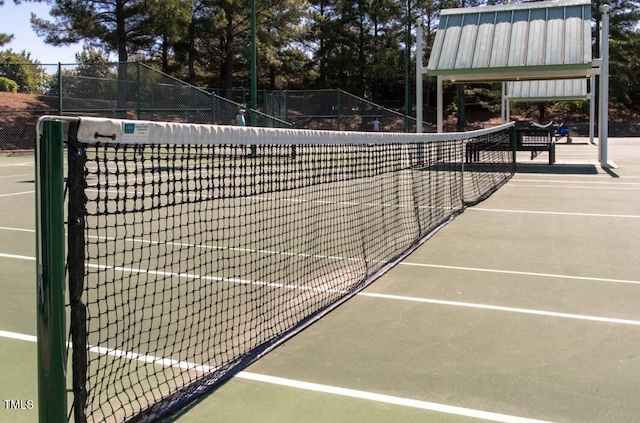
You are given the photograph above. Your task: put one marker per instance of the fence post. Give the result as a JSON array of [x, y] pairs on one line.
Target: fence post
[[214, 103], [59, 90], [339, 108], [286, 105], [138, 92]]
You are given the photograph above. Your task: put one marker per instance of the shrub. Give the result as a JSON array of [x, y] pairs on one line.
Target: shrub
[[8, 85]]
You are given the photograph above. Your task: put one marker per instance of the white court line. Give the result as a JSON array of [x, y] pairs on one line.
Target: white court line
[[17, 176], [13, 256], [18, 336], [384, 296], [258, 198], [314, 387], [218, 279], [624, 216], [368, 294], [407, 263], [402, 263], [574, 187], [387, 399], [500, 308], [212, 247], [17, 193], [18, 164], [519, 273], [556, 181], [4, 228]]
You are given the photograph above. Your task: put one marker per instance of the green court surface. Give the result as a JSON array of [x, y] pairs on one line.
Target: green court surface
[[522, 309]]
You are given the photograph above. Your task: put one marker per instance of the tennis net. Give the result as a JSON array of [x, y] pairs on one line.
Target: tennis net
[[193, 250]]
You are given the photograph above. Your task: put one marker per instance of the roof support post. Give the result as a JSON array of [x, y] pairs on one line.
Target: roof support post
[[419, 94], [592, 109], [505, 102], [440, 105], [604, 87]]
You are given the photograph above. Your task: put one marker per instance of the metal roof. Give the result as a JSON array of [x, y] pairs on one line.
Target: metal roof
[[535, 40], [551, 90]]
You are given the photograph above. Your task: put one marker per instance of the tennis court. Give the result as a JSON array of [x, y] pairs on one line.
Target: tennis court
[[524, 307]]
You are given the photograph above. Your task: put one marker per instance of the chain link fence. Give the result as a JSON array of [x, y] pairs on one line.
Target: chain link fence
[[133, 90], [128, 90], [337, 110], [332, 109], [25, 95]]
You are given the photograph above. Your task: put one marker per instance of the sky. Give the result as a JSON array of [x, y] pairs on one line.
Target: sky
[[16, 20]]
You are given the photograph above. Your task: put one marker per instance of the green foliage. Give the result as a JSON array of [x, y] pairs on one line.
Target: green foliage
[[625, 71], [5, 38], [91, 55], [570, 107], [124, 27], [355, 45], [358, 45], [29, 75], [484, 96], [8, 85]]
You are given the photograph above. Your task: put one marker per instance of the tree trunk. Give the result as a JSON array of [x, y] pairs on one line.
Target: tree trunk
[[228, 58], [123, 57], [542, 113], [462, 118]]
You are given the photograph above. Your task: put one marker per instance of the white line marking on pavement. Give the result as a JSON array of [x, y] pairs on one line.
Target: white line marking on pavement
[[315, 387], [501, 308], [626, 216], [514, 272], [13, 194]]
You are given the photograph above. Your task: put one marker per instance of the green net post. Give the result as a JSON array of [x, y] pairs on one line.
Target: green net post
[[51, 324]]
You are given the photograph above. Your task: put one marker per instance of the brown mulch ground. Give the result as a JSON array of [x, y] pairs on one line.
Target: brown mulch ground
[[18, 116], [22, 101]]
